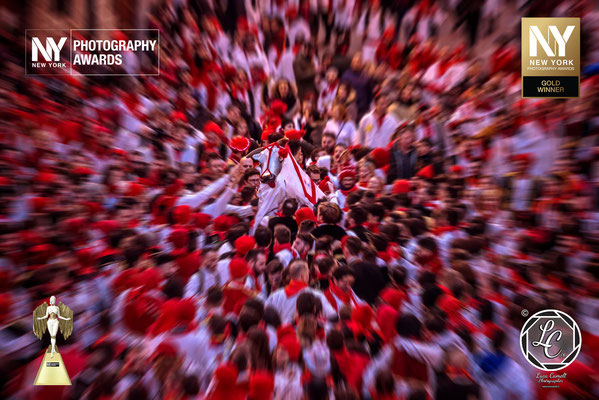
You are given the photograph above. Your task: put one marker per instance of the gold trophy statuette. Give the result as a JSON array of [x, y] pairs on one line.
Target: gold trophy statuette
[[52, 372]]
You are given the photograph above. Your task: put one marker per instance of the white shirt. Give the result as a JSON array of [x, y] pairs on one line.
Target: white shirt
[[344, 131], [373, 135], [286, 306]]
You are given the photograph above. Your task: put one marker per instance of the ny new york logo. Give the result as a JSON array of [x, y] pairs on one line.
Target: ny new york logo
[[560, 40], [50, 52]]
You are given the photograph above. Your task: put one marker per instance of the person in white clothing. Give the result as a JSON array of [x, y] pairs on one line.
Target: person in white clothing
[[341, 126], [284, 299], [378, 126]]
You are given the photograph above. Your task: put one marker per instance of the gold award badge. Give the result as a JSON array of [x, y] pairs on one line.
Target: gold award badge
[[550, 57], [52, 372]]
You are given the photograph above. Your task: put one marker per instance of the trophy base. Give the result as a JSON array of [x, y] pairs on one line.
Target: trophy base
[[52, 372]]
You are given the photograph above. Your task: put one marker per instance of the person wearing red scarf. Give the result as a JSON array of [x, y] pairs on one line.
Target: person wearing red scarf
[[235, 293], [282, 245], [284, 300], [340, 293], [347, 185], [427, 255]]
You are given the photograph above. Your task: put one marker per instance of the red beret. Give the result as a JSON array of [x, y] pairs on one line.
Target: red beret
[[222, 223], [229, 72], [239, 143], [294, 134], [380, 157], [213, 127], [140, 311], [182, 214], [285, 330], [274, 122], [401, 186], [226, 374], [427, 172], [266, 133], [362, 314], [186, 310], [393, 297], [108, 226], [46, 177], [278, 107], [134, 189], [178, 116], [324, 185], [179, 238], [244, 244], [238, 268], [347, 173], [83, 171], [39, 203], [165, 349], [174, 188], [456, 168], [304, 213], [524, 157], [202, 220], [262, 385], [149, 278], [292, 346], [75, 224]]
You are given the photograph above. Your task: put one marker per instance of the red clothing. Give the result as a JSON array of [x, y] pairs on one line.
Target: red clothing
[[235, 294]]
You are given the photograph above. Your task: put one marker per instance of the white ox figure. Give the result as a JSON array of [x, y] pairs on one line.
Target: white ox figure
[[282, 178]]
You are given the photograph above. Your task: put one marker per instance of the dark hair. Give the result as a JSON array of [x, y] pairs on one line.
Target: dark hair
[[248, 317], [429, 244], [173, 288], [191, 386], [335, 340], [250, 172], [253, 255], [307, 304], [358, 214], [498, 340], [307, 226], [272, 317], [294, 146], [325, 264], [247, 193], [453, 216], [282, 234], [377, 210], [352, 245], [263, 236], [214, 295], [255, 304], [305, 237], [289, 207], [353, 198], [237, 231], [408, 326], [342, 272], [487, 311]]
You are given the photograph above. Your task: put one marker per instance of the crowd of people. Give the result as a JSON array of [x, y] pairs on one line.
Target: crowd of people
[[450, 206]]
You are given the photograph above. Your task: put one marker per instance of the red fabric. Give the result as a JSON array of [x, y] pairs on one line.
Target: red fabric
[[348, 299], [235, 294], [351, 365], [407, 367], [294, 287]]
